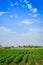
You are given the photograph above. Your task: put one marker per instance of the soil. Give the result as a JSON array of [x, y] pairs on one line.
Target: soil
[[16, 64], [26, 63], [42, 60], [35, 62]]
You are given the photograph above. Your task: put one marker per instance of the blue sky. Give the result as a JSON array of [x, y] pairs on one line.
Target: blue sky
[[21, 22]]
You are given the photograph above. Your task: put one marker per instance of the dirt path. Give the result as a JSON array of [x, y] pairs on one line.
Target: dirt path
[[26, 63], [42, 61], [35, 62]]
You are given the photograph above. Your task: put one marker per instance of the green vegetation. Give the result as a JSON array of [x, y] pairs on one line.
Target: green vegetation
[[21, 56]]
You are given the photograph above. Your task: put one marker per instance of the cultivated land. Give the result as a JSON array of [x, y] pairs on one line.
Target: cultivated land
[[21, 56]]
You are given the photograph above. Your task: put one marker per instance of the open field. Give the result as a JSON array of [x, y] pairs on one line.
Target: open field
[[21, 56]]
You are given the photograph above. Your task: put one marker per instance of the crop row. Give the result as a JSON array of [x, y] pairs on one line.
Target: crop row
[[20, 56]]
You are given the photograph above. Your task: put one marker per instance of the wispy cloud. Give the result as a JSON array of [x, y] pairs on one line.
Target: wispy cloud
[[14, 16], [29, 6], [34, 15], [23, 6], [36, 29], [2, 28], [2, 13], [29, 38], [33, 10], [11, 3], [26, 21], [26, 1], [16, 3]]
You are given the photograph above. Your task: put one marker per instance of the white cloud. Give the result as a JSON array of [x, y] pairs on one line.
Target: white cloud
[[36, 29], [2, 13], [35, 15], [14, 16], [26, 1], [29, 6], [34, 10], [6, 30], [16, 3], [23, 6], [26, 21], [30, 38], [2, 28], [11, 3]]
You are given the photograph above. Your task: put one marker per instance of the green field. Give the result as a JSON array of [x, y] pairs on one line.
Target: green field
[[21, 56]]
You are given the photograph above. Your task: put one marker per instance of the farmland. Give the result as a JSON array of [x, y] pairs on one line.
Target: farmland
[[21, 56]]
